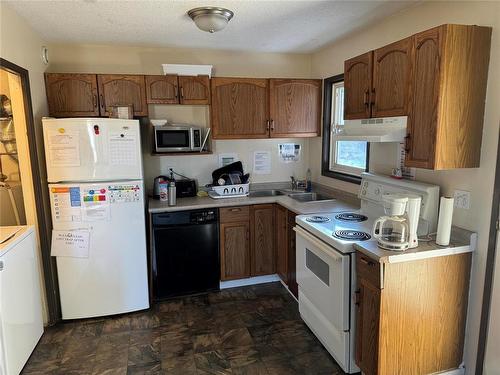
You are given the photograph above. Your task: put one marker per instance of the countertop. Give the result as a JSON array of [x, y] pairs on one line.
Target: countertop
[[341, 202], [22, 232], [462, 241]]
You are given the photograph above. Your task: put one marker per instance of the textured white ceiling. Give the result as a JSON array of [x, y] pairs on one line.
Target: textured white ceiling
[[271, 26]]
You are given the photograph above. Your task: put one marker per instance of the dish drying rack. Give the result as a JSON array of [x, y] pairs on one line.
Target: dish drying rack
[[230, 191]]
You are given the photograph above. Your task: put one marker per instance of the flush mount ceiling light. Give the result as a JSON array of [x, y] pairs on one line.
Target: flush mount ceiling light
[[210, 19]]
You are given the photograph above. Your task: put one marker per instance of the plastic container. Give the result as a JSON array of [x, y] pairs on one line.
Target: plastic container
[[163, 187]]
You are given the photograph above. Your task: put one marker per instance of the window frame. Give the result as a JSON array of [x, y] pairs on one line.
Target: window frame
[[326, 147]]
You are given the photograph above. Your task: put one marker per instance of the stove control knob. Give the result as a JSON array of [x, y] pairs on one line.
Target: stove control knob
[[363, 192], [377, 191]]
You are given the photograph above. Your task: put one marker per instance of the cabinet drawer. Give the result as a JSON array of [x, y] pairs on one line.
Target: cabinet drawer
[[234, 214], [368, 269]]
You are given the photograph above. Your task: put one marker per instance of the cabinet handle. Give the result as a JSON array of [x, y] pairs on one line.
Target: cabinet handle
[[1, 265], [272, 125], [182, 92], [407, 143], [373, 97], [357, 295], [176, 92], [365, 101], [235, 209], [101, 98], [366, 261], [267, 125], [94, 98]]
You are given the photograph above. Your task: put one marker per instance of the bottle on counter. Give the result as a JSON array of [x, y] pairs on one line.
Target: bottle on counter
[[172, 193], [308, 180]]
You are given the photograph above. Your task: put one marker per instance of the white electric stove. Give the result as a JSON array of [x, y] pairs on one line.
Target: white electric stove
[[326, 265]]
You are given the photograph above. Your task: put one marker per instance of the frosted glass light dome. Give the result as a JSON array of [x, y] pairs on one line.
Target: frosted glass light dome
[[210, 19]]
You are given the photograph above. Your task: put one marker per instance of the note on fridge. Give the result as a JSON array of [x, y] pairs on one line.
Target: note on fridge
[[122, 148], [70, 243], [64, 148]]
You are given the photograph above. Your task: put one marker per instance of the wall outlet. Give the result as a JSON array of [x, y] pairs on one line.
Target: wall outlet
[[461, 199]]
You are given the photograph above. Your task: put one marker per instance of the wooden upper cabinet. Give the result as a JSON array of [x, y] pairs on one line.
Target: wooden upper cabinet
[[194, 89], [117, 89], [262, 240], [282, 243], [162, 89], [240, 108], [72, 95], [421, 127], [295, 107], [358, 86], [391, 79], [446, 116]]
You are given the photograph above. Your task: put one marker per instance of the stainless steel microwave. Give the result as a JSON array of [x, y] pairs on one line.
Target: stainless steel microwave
[[177, 138]]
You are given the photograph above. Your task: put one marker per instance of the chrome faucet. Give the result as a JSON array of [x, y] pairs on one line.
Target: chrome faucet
[[294, 183]]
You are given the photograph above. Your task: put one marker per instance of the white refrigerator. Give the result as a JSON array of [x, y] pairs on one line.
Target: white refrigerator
[[94, 170]]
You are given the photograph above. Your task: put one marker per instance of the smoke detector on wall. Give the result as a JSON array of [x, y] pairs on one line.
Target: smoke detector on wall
[[210, 19]]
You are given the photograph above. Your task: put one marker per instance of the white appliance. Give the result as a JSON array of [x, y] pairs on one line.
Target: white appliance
[[326, 260], [21, 324], [398, 230], [94, 168], [388, 129]]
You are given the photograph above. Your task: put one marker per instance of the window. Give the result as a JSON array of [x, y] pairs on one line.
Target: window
[[344, 160]]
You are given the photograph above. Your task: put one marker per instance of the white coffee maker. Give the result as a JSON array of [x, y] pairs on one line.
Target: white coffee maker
[[397, 230]]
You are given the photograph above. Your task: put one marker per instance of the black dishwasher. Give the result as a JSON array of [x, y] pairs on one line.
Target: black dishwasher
[[185, 253]]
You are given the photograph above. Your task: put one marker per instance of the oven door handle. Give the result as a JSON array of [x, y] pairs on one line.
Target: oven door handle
[[327, 250]]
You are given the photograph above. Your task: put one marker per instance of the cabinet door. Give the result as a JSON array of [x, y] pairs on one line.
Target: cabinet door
[[72, 95], [367, 327], [391, 79], [116, 89], [194, 89], [282, 243], [292, 259], [422, 119], [295, 107], [357, 86], [235, 250], [240, 108], [162, 89], [262, 241]]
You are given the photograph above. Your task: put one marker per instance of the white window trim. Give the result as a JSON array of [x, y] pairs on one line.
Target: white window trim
[[333, 166]]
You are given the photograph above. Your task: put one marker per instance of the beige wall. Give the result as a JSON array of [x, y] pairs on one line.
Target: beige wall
[[148, 60], [21, 46], [479, 181]]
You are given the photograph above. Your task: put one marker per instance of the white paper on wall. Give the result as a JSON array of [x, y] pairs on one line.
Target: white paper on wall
[[66, 203], [123, 148], [64, 148], [262, 162], [70, 243]]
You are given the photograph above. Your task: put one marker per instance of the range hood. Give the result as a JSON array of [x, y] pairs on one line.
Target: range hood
[[387, 129]]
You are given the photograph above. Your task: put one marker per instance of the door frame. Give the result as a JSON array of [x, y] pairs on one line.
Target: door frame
[[48, 263], [490, 270]]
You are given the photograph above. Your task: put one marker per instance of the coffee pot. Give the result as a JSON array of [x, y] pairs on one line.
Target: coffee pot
[[398, 229]]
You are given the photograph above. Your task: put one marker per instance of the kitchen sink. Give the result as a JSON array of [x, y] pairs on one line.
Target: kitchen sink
[[265, 193], [310, 197]]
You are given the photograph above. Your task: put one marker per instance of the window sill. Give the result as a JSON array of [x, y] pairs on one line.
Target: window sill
[[342, 176]]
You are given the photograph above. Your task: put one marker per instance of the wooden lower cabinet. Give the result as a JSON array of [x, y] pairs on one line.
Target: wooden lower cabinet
[[247, 239], [282, 243], [263, 257], [292, 259], [411, 315]]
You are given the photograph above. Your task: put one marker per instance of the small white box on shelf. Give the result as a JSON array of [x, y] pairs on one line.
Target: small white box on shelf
[[187, 69]]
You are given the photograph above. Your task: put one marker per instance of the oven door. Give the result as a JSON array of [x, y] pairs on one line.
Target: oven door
[[323, 275], [172, 140]]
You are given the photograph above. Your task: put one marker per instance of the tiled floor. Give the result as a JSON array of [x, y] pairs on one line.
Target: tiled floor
[[250, 330]]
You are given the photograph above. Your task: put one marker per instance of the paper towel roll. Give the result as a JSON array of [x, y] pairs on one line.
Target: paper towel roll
[[444, 221]]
